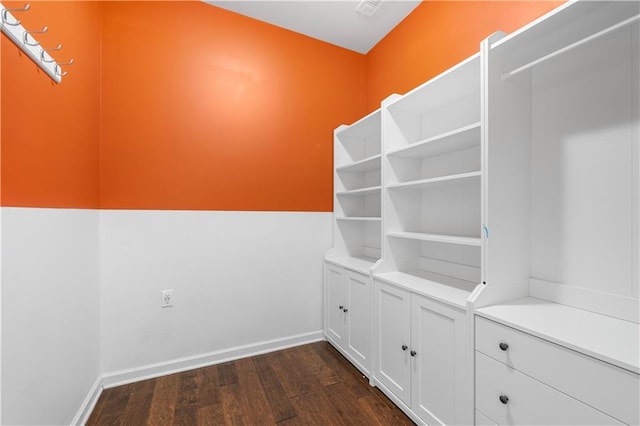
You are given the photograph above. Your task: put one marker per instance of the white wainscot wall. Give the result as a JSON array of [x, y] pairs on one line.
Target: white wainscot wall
[[50, 343], [242, 282]]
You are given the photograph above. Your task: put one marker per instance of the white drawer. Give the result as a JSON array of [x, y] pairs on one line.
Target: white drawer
[[606, 387], [529, 401]]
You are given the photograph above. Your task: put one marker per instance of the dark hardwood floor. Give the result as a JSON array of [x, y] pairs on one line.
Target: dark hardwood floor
[[306, 385]]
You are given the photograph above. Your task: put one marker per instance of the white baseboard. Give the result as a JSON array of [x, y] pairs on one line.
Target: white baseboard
[[178, 365], [88, 404]]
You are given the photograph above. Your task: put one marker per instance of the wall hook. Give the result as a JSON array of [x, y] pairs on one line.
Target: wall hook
[[59, 68], [25, 36], [47, 50], [17, 22]]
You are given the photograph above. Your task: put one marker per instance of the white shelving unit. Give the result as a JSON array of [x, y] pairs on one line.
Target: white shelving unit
[[432, 245], [562, 208], [357, 189], [432, 181], [500, 202], [562, 186], [356, 248]]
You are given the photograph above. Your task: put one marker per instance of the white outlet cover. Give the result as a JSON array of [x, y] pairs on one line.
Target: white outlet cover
[[167, 299]]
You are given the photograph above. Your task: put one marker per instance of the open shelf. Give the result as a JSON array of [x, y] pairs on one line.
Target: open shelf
[[358, 219], [366, 165], [449, 290], [361, 191], [444, 108], [458, 82], [437, 238], [432, 181], [360, 264], [368, 127], [564, 26], [357, 189], [563, 137], [455, 140], [439, 182], [358, 141]]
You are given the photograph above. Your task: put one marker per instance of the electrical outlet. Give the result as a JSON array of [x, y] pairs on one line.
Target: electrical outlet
[[167, 299]]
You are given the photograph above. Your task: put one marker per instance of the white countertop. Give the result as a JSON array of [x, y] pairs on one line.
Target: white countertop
[[606, 338]]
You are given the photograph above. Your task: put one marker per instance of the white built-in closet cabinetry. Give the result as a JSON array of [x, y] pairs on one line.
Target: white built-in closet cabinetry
[[486, 255], [557, 324], [348, 292]]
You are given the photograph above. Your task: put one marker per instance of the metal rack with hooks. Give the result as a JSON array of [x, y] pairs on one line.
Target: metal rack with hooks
[[24, 39]]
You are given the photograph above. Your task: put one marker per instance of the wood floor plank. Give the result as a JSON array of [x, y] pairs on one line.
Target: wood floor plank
[[115, 406], [254, 399], [187, 390], [376, 408], [305, 385], [294, 421], [349, 375], [227, 374], [346, 406], [163, 403], [327, 348], [317, 365], [137, 410], [281, 406], [186, 416], [231, 406], [383, 398], [209, 392], [211, 415], [295, 379], [316, 409], [97, 409]]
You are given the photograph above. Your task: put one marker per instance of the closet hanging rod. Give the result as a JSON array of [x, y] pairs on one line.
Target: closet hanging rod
[[24, 39], [571, 46]]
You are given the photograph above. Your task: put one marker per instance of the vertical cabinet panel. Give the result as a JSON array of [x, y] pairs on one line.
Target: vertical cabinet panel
[[347, 313], [393, 325], [336, 299], [438, 340], [421, 355], [359, 316]]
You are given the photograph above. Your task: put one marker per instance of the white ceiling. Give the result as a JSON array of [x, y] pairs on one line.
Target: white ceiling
[[335, 22]]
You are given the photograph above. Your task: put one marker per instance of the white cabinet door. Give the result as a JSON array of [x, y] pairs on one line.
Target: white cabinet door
[[336, 301], [359, 318], [393, 324], [438, 354]]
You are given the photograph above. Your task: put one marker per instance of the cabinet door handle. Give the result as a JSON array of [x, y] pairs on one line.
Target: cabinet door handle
[[504, 346], [413, 353], [341, 307], [504, 399], [345, 310], [405, 347]]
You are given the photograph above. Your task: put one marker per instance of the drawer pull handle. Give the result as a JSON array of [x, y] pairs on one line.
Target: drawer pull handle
[[345, 310], [503, 346], [504, 399], [413, 353], [405, 347], [341, 307]]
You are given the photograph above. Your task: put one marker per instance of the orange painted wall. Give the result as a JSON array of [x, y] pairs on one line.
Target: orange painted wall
[[438, 35], [207, 109], [50, 132]]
